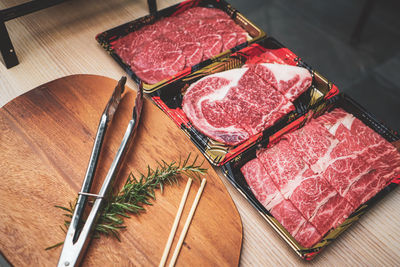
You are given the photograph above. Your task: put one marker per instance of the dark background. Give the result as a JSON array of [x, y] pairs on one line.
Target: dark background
[[320, 32]]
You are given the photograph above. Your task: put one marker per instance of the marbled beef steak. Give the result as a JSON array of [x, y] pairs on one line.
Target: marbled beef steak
[[233, 105]]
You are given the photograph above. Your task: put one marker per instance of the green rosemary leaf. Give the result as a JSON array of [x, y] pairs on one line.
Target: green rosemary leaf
[[54, 246], [63, 229], [116, 235], [114, 219], [135, 193], [63, 208], [123, 214]]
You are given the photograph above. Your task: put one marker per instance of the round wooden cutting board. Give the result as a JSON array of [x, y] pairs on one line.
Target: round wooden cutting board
[[46, 137]]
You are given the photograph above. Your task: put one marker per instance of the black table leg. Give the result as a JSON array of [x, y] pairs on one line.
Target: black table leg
[[152, 6], [6, 47]]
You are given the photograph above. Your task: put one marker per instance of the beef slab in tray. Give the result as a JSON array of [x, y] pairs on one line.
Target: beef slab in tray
[[280, 176], [162, 47], [267, 52]]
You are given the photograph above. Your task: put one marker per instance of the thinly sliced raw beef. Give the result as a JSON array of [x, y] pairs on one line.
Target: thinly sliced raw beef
[[291, 81], [157, 59], [283, 165], [161, 50], [362, 164], [290, 218], [265, 57], [229, 39], [202, 13], [308, 191], [261, 184], [319, 202], [333, 119], [212, 45], [353, 164], [314, 143], [247, 105], [283, 210], [193, 53], [307, 235]]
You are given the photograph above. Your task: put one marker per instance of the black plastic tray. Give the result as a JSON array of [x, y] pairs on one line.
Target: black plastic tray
[[234, 175], [107, 38], [169, 98]]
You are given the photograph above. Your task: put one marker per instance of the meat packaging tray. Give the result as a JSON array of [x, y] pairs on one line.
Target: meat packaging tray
[[169, 97], [108, 38], [232, 170]]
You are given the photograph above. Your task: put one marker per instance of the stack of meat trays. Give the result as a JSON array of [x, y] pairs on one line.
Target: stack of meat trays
[[304, 89], [160, 48], [317, 177]]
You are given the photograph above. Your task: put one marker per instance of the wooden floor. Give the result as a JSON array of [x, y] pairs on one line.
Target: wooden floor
[[60, 41]]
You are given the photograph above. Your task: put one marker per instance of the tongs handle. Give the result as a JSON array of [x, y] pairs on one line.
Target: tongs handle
[[106, 117], [76, 242]]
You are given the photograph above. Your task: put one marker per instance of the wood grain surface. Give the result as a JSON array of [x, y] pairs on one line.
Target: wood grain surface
[[59, 41], [46, 137]]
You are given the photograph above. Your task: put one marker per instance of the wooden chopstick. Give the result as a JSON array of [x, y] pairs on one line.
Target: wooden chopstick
[[175, 224], [187, 223]]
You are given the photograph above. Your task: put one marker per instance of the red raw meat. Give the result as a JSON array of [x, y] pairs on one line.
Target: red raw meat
[[232, 113], [261, 184], [161, 50], [314, 143], [212, 45], [283, 165], [203, 12], [146, 60], [374, 181], [283, 210], [265, 57], [332, 214], [307, 235], [333, 119], [193, 53], [319, 202], [290, 218], [213, 121], [229, 39], [354, 165], [344, 172], [291, 83], [362, 164], [309, 192], [244, 107]]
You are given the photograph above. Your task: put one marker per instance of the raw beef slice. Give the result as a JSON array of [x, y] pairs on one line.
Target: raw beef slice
[[319, 202], [261, 184], [314, 143], [290, 218], [162, 49], [362, 163], [283, 210], [291, 83], [354, 163], [245, 105], [310, 193]]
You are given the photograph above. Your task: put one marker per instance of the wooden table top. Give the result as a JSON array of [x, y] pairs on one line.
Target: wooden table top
[[59, 41]]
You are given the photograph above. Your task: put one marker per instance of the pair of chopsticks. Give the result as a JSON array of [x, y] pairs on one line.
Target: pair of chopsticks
[[185, 227]]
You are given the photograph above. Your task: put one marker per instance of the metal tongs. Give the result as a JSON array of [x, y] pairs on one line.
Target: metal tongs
[[78, 235]]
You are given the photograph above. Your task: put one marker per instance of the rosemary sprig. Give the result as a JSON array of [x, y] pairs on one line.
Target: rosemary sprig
[[136, 193]]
